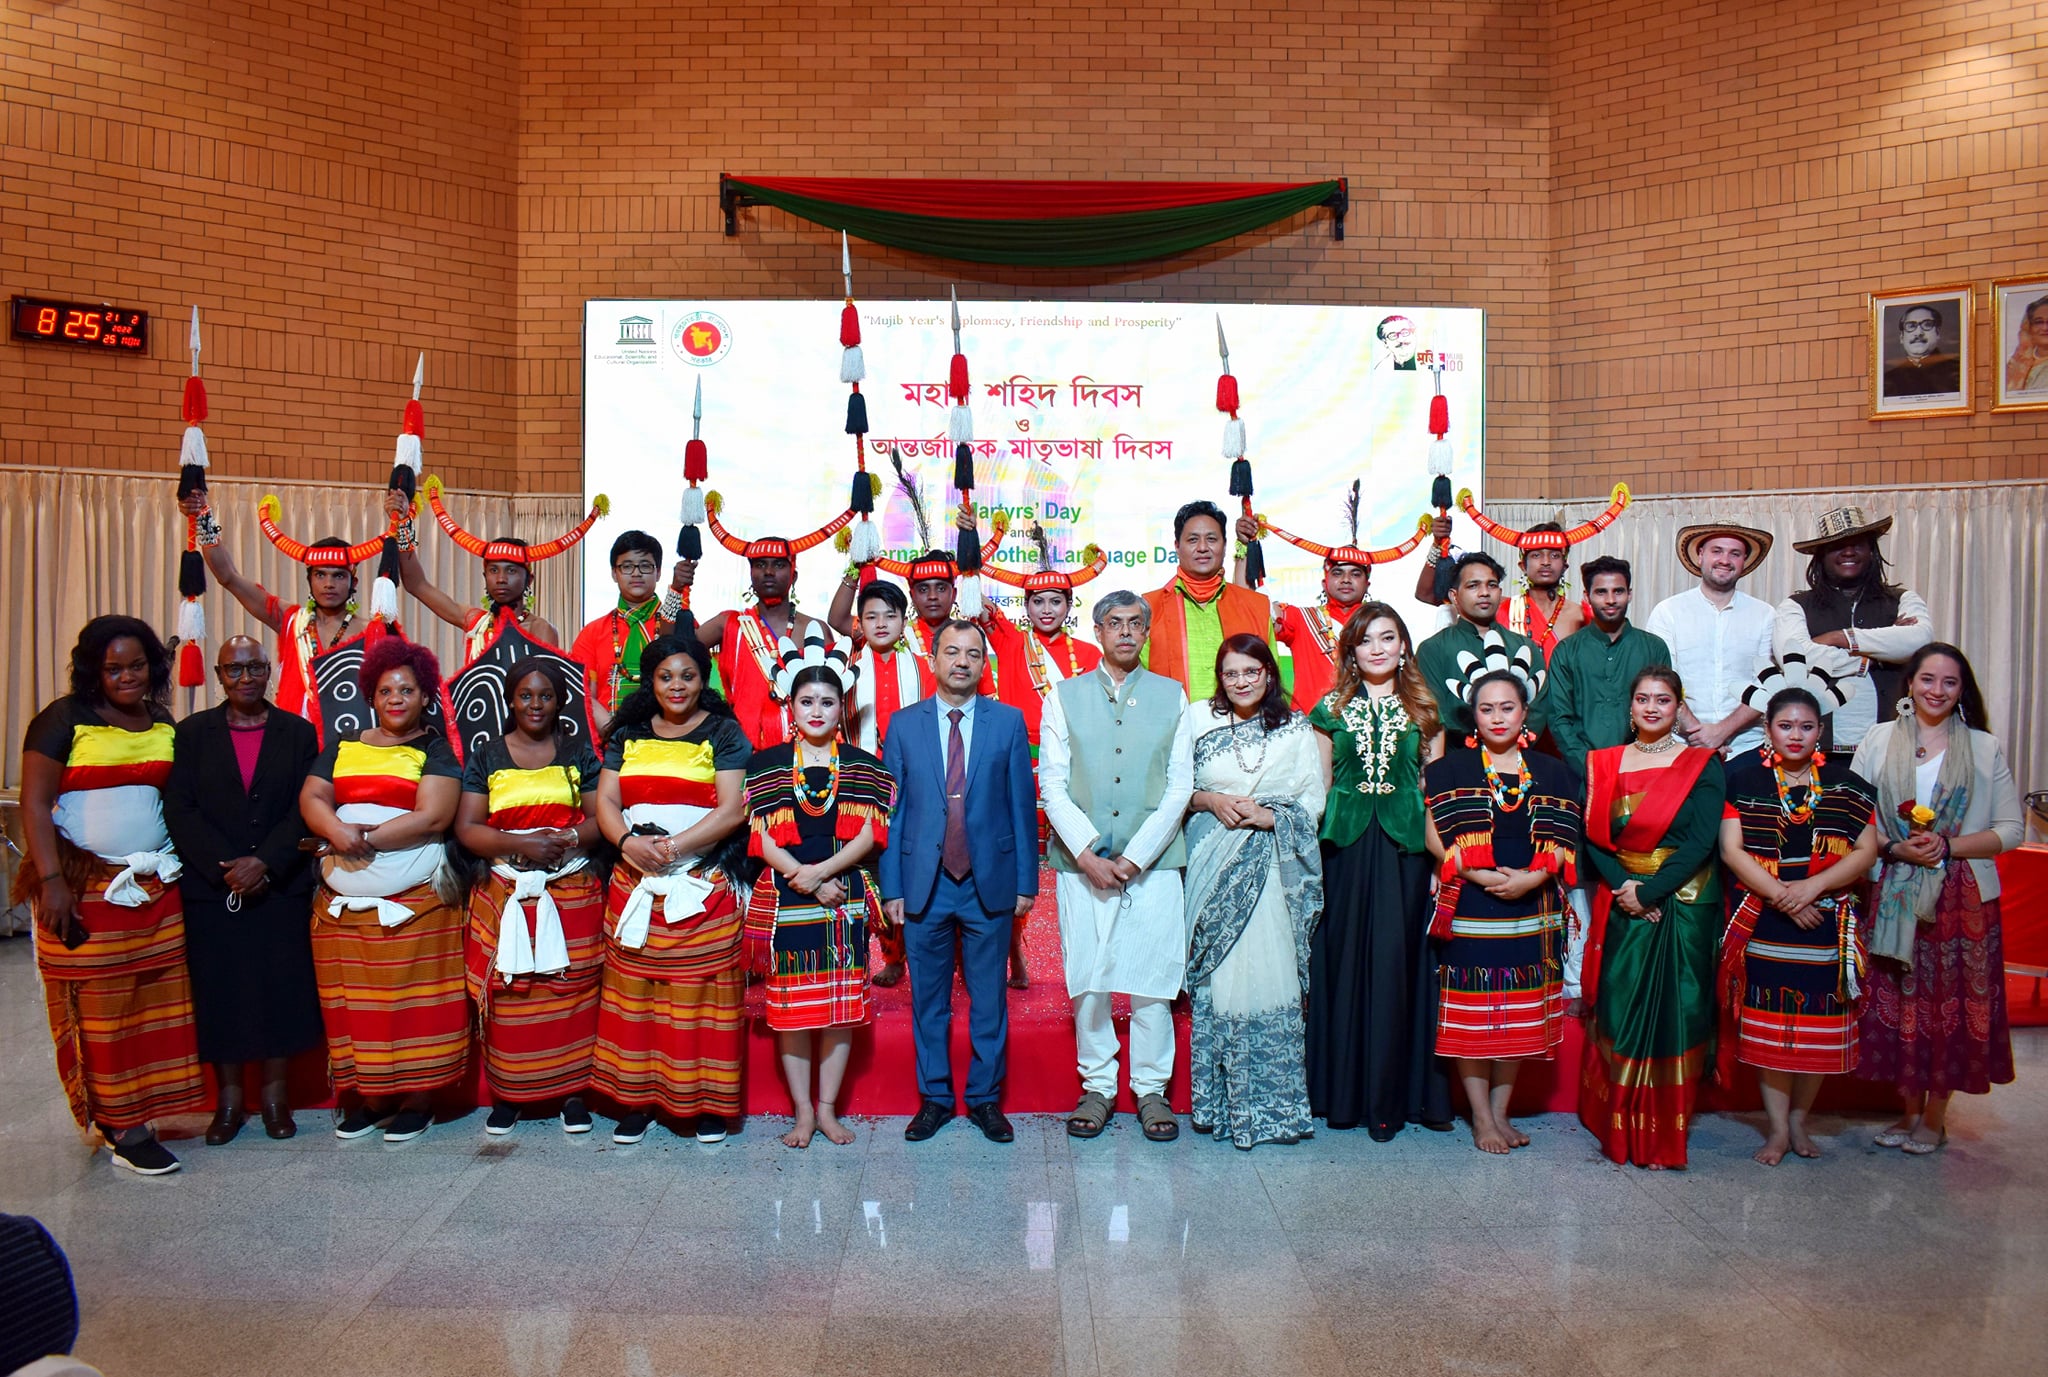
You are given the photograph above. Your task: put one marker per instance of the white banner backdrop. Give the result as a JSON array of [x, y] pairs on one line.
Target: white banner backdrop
[[1097, 418], [1976, 553]]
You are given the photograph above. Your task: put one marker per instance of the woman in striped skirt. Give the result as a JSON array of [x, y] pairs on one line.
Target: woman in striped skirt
[[670, 798], [100, 878], [387, 940], [1798, 832], [536, 917], [1505, 821]]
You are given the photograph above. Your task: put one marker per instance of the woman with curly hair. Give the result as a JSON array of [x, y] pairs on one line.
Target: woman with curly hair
[[387, 931], [101, 879]]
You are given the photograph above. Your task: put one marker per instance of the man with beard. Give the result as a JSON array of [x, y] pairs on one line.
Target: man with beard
[[1851, 623], [1718, 635]]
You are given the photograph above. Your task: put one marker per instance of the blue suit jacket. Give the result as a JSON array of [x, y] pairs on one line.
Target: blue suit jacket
[[1002, 807]]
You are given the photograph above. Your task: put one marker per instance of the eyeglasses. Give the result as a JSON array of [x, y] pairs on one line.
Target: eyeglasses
[[636, 567], [231, 673], [1242, 676]]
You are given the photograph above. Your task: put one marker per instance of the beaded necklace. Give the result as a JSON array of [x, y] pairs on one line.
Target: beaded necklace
[[1504, 798], [814, 802], [1803, 813], [623, 625]]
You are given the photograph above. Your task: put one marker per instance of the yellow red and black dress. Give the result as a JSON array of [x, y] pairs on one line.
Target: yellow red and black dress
[[818, 974], [670, 1002], [536, 936], [119, 1003], [387, 948], [1789, 994], [1500, 961]]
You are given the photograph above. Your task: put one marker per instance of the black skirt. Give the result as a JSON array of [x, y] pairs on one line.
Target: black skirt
[[253, 994], [1372, 992]]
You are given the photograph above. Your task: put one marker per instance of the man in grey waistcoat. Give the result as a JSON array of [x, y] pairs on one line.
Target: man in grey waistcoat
[[1115, 770]]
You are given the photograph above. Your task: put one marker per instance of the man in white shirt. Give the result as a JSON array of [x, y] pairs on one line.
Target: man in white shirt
[[1718, 635]]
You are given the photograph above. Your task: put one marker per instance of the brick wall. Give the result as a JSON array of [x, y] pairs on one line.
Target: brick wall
[[330, 180]]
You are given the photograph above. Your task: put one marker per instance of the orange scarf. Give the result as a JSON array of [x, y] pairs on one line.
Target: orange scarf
[[1240, 611]]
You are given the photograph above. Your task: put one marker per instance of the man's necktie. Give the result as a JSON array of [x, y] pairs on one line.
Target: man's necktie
[[953, 855]]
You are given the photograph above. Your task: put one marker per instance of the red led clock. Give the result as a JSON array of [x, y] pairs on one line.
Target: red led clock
[[112, 328]]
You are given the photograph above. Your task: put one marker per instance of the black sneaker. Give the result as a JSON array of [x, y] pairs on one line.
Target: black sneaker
[[407, 1126], [632, 1128], [502, 1118], [360, 1122], [710, 1128], [575, 1115], [146, 1158]]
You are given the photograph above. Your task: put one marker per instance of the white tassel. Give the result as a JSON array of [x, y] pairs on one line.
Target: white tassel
[[192, 449], [1439, 458], [384, 599], [191, 621], [408, 453], [865, 544], [693, 506], [1233, 439], [960, 426], [967, 600], [853, 367]]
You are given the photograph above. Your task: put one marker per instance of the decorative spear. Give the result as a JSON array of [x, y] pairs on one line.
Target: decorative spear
[[1233, 450], [192, 464], [864, 541], [696, 468], [406, 461], [1440, 468], [960, 429]]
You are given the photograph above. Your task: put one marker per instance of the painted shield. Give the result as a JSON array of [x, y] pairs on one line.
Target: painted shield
[[478, 700]]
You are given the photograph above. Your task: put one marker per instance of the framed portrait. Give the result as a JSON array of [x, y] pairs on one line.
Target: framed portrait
[[2019, 307], [1920, 352]]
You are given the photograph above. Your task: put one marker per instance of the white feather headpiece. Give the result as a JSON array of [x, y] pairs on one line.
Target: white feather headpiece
[[1494, 656], [817, 653], [1794, 672]]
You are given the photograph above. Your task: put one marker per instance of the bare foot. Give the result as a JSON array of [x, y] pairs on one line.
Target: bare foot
[[891, 974], [1020, 978], [829, 1125], [1575, 1008], [1773, 1150], [1489, 1138], [800, 1136], [1515, 1136], [1803, 1144], [1654, 1166]]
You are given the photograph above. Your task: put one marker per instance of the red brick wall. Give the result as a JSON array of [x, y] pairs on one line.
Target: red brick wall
[[331, 182]]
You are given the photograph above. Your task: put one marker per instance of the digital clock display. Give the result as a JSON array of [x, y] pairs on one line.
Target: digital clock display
[[112, 328]]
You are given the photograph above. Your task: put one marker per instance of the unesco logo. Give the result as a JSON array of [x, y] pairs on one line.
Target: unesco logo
[[701, 339]]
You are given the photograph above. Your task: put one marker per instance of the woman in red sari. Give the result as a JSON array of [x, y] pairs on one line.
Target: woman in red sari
[[1653, 817]]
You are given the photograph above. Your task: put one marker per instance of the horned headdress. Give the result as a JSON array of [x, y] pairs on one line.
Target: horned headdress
[[1350, 552], [1048, 577], [1526, 541], [511, 549]]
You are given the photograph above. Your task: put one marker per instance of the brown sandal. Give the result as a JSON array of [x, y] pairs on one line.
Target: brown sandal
[[1090, 1116], [1155, 1115]]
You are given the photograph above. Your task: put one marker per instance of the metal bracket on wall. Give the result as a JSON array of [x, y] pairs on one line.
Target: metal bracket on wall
[[1339, 202]]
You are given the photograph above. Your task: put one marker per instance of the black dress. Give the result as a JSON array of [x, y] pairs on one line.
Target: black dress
[[253, 993]]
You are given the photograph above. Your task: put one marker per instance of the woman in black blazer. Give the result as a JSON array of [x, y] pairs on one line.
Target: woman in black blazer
[[232, 806]]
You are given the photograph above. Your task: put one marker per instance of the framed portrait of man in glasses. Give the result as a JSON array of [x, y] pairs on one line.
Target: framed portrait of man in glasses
[[1920, 352]]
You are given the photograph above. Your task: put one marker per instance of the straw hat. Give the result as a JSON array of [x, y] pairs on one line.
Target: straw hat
[[1691, 538], [1841, 525]]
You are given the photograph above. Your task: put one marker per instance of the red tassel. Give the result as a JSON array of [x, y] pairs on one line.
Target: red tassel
[[696, 462], [956, 385], [194, 405], [1439, 415], [191, 667], [415, 419], [1226, 394], [849, 327]]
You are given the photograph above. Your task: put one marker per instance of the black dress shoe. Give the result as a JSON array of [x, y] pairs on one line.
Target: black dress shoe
[[931, 1116], [991, 1122], [277, 1121], [226, 1124]]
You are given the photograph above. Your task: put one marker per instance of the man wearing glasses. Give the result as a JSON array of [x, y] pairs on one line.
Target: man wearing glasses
[[232, 806], [609, 648]]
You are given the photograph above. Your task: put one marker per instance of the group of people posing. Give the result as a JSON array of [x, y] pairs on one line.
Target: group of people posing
[[1744, 834]]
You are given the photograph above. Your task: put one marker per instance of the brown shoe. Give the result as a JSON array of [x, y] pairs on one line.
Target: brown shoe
[[226, 1124], [277, 1121]]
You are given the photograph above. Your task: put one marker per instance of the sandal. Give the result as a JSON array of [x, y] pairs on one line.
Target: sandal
[[1155, 1115], [1895, 1136], [1915, 1148], [1090, 1116]]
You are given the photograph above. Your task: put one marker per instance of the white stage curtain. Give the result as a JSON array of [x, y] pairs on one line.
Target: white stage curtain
[[75, 545], [1978, 554]]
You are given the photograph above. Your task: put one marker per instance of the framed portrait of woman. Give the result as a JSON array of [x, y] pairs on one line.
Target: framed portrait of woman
[[2019, 310], [1920, 352]]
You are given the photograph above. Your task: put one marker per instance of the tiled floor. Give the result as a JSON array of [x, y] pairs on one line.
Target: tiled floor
[[539, 1254]]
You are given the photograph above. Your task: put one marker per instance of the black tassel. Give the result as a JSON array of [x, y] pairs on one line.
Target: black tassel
[[1240, 478], [689, 543], [963, 467], [191, 575], [863, 499], [404, 479], [1254, 564], [387, 563], [967, 552], [191, 479], [1446, 579], [856, 414], [1440, 492]]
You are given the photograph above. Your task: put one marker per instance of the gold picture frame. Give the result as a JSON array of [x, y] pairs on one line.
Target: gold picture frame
[[2019, 309], [1920, 358]]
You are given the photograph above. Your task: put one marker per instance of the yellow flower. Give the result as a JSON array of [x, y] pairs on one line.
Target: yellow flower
[[1922, 814]]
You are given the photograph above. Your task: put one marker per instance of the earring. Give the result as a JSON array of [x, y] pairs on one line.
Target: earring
[[1769, 754], [532, 599], [1904, 706], [1631, 729], [1820, 758], [1471, 741], [349, 607], [1526, 739]]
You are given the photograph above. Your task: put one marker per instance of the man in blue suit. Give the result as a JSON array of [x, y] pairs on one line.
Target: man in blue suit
[[961, 865]]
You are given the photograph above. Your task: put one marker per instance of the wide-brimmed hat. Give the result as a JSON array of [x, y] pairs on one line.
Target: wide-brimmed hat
[[1841, 525], [1690, 538]]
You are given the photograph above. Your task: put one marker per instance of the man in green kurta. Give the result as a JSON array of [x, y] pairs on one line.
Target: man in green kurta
[[1475, 597], [1591, 669]]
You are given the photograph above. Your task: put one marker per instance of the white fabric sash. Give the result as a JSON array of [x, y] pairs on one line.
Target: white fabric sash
[[546, 950], [123, 889], [382, 875], [681, 893], [389, 913]]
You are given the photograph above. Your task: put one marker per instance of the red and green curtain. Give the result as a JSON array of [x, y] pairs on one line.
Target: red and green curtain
[[1038, 224]]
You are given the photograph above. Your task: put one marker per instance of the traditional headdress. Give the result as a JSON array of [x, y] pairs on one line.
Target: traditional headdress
[[817, 653], [936, 565], [1494, 656], [1526, 541], [506, 549], [192, 463], [1840, 526], [1048, 578], [1690, 539], [768, 547], [864, 542], [1794, 672], [1350, 553], [1233, 450]]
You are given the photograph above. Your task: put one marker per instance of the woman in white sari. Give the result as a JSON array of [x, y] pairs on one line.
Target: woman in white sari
[[1254, 892]]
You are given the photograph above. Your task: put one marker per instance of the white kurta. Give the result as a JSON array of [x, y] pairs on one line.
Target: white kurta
[[1131, 941]]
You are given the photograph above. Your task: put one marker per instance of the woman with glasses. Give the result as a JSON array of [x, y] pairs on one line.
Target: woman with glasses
[[232, 805]]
